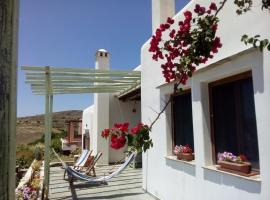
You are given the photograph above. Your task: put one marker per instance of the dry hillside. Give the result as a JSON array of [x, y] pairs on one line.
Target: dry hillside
[[30, 129]]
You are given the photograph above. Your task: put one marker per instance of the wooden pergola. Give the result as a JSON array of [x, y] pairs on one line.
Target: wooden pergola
[[51, 81]]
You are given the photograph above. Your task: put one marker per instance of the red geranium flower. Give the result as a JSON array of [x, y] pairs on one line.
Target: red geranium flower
[[105, 133], [243, 158], [122, 127]]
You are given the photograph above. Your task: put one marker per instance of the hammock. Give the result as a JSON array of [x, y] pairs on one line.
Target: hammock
[[93, 180]]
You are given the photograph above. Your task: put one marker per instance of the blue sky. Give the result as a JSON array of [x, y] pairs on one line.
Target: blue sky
[[67, 33]]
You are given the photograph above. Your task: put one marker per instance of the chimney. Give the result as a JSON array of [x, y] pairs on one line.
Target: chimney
[[161, 10], [101, 111], [102, 59]]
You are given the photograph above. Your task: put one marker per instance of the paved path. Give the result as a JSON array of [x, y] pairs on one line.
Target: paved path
[[126, 186]]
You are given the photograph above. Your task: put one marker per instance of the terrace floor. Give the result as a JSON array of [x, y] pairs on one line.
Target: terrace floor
[[126, 186]]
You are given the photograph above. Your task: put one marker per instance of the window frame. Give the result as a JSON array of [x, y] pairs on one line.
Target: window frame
[[172, 114], [211, 85]]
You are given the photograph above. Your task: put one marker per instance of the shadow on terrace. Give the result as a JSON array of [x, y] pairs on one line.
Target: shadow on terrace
[[126, 186]]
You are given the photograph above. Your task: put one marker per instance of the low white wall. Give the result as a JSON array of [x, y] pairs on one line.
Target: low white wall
[[173, 180]]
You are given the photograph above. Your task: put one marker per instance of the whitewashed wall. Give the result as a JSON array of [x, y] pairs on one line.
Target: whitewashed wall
[[173, 180], [122, 112]]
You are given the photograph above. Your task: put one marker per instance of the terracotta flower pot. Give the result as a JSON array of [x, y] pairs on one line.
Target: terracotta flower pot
[[185, 156], [241, 167]]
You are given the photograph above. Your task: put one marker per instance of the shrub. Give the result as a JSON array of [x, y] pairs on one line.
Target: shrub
[[24, 156], [56, 144], [39, 152], [76, 151], [36, 165]]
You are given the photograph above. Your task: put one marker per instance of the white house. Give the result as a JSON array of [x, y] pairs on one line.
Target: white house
[[237, 76], [87, 126], [107, 110]]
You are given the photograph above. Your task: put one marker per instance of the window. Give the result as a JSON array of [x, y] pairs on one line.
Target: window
[[182, 119], [233, 119], [77, 131]]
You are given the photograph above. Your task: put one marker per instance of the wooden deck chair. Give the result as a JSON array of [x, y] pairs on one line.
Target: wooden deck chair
[[91, 166], [81, 161], [79, 165], [81, 158]]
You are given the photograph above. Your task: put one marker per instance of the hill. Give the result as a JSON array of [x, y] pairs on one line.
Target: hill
[[31, 128]]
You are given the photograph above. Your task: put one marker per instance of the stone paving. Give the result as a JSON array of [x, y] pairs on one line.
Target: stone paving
[[126, 186]]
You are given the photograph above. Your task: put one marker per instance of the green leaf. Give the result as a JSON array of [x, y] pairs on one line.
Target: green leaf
[[265, 42], [261, 46], [250, 40], [268, 47], [244, 37], [190, 74], [256, 43]]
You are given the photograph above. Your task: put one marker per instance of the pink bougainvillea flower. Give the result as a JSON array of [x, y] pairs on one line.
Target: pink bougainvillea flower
[[188, 15], [213, 6], [170, 20]]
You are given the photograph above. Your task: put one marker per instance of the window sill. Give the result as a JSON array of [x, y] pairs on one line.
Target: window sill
[[256, 178], [181, 161]]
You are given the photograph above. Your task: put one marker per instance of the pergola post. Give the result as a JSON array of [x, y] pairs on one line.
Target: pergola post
[[47, 132], [8, 99]]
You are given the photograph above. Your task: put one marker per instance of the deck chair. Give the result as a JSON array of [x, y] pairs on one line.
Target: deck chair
[[94, 180], [81, 161], [91, 167]]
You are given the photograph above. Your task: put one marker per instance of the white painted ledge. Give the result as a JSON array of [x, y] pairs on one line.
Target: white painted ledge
[[174, 158], [256, 178]]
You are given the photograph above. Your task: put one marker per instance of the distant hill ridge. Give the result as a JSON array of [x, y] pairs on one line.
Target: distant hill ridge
[[31, 128]]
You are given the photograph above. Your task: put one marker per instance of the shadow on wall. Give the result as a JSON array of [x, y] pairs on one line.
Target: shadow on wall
[[228, 180], [184, 167]]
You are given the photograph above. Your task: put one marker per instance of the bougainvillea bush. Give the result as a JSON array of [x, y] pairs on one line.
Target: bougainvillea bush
[[137, 138], [191, 42]]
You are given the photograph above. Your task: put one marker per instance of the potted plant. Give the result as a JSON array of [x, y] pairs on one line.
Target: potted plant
[[184, 152], [229, 161]]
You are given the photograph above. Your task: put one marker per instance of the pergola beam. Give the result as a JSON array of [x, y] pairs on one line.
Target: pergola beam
[[82, 87], [69, 91], [83, 81], [40, 84], [77, 70]]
